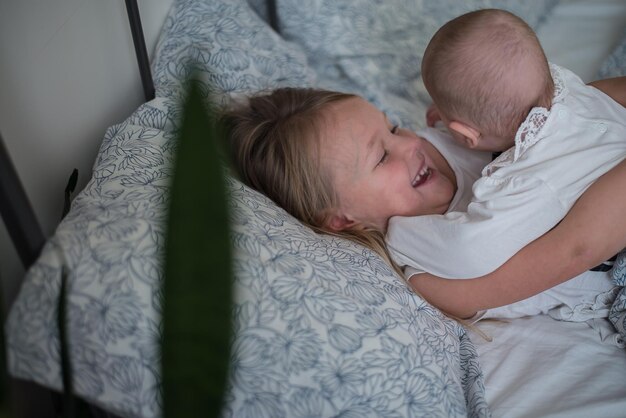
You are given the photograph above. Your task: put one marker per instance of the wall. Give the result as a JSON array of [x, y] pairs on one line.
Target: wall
[[67, 71]]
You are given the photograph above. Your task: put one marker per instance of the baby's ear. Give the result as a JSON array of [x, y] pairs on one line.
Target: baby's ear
[[470, 135]]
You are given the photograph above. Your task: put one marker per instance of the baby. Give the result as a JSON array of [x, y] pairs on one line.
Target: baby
[[494, 90]]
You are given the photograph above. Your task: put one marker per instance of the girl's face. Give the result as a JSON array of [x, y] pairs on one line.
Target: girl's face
[[379, 170]]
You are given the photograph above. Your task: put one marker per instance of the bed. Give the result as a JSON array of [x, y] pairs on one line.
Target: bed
[[323, 327]]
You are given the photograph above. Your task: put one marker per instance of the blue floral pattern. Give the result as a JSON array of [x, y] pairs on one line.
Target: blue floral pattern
[[316, 321], [617, 313], [323, 327], [203, 38]]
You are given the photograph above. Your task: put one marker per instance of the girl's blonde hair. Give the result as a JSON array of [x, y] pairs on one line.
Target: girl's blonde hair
[[274, 140], [470, 66]]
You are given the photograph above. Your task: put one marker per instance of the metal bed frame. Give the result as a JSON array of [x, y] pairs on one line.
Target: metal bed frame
[[15, 208]]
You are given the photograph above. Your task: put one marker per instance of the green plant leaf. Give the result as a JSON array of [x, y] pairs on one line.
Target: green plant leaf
[[197, 286]]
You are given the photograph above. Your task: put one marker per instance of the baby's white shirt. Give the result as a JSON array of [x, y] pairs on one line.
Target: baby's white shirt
[[525, 192]]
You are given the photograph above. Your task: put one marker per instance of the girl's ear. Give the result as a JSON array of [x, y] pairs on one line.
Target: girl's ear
[[338, 222], [470, 135]]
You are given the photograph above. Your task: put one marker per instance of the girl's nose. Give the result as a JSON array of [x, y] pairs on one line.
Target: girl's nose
[[410, 144]]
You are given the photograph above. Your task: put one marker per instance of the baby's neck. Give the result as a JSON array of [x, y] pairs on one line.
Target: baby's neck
[[547, 96]]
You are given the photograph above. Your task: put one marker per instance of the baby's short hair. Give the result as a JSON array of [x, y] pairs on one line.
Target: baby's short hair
[[473, 61]]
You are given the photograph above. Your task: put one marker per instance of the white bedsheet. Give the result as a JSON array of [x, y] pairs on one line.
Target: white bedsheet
[[540, 367]]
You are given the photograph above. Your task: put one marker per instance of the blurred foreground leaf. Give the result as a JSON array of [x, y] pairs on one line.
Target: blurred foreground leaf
[[197, 287]]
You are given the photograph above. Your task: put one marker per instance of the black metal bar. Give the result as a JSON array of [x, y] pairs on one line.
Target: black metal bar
[[69, 189], [140, 49], [273, 15], [17, 213]]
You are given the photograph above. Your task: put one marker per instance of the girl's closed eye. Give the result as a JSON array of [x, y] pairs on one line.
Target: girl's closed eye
[[394, 130]]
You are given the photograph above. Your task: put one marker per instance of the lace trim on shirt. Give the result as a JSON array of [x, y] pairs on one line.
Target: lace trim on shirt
[[528, 133], [559, 83]]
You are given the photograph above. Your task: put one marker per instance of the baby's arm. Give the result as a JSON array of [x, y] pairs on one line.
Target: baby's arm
[[613, 87], [589, 234]]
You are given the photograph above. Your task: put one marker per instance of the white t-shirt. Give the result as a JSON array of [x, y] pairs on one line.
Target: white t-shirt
[[523, 194]]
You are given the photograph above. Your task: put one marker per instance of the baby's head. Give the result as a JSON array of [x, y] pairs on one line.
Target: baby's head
[[485, 70]]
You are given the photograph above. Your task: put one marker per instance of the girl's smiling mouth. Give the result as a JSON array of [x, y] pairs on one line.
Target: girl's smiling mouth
[[422, 176]]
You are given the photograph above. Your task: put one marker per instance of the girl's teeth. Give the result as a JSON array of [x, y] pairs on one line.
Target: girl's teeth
[[420, 175]]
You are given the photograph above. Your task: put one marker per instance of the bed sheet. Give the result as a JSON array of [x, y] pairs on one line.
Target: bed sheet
[[539, 367]]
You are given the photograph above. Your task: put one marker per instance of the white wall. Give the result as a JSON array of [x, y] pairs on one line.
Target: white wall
[[67, 71]]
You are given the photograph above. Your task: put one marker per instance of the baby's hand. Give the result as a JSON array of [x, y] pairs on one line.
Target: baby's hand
[[432, 115]]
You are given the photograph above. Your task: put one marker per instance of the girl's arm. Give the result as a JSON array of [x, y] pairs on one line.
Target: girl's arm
[[593, 231], [613, 87]]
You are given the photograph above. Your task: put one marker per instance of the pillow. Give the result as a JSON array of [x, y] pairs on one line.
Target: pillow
[[228, 48], [369, 48], [325, 328], [375, 48], [322, 325]]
